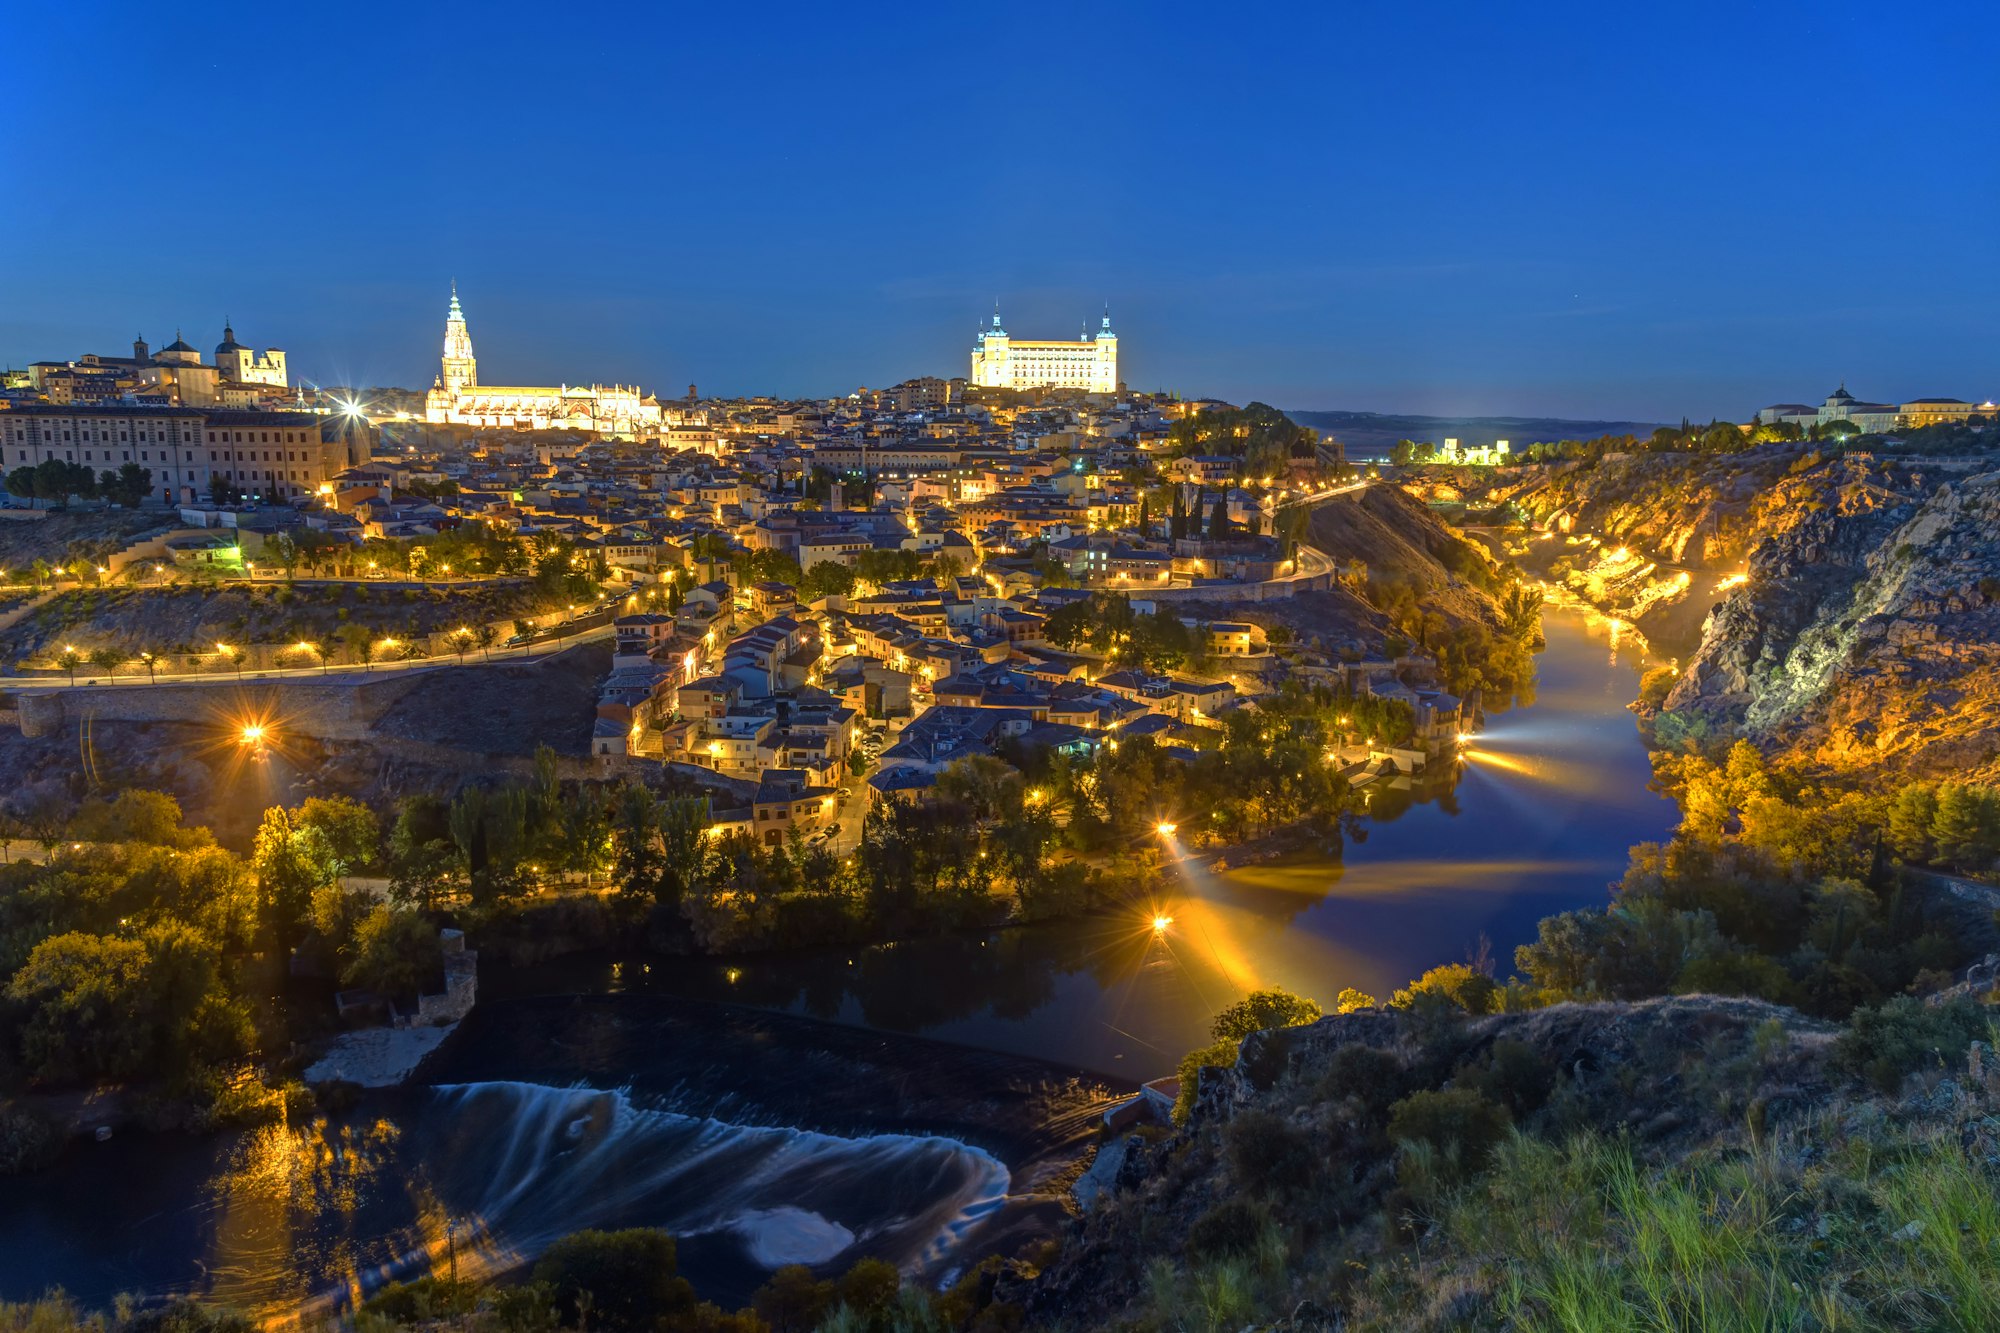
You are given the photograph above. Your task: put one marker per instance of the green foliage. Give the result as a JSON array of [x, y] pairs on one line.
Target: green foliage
[[1268, 1155], [1459, 1126], [1374, 1079], [1513, 1074], [827, 578], [1265, 439], [1903, 1035], [618, 1281], [1261, 1010], [350, 828], [1215, 1055], [1462, 984], [103, 1007], [28, 1141], [1230, 1229], [395, 953]]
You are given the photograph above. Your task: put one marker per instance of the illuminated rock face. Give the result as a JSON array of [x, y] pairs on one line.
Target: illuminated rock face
[[457, 397], [1867, 635]]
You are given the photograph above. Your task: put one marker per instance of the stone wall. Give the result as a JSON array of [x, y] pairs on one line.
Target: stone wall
[[333, 710]]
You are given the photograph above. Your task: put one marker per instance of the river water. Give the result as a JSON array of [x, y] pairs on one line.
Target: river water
[[599, 1092], [1549, 800]]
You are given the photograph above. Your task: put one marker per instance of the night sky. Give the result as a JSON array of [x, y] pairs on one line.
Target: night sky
[[1603, 210]]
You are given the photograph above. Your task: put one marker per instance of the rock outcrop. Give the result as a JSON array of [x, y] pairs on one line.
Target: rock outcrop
[[1868, 632], [1857, 621]]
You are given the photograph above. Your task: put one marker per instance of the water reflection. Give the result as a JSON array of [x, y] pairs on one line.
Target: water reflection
[[1536, 819]]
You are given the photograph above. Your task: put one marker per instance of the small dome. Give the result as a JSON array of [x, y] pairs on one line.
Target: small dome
[[228, 343]]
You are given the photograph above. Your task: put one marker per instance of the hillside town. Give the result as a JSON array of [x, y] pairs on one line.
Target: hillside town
[[814, 606]]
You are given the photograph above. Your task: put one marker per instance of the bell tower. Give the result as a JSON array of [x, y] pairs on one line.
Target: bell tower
[[461, 369]]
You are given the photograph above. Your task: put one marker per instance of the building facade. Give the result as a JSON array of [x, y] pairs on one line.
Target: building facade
[[1875, 418], [247, 365], [174, 376], [264, 455], [1089, 364], [457, 397]]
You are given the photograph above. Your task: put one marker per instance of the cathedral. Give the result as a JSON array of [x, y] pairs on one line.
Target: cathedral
[[458, 398]]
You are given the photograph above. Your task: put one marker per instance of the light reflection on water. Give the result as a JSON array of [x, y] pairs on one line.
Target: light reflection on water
[[1540, 820]]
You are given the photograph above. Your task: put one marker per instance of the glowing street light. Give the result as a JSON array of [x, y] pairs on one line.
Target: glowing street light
[[1165, 830], [1160, 924], [233, 655]]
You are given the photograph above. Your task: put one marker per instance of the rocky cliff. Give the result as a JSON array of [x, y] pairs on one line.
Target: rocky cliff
[[1868, 631], [1855, 597]]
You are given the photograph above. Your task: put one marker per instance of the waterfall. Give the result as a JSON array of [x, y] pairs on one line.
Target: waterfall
[[526, 1164]]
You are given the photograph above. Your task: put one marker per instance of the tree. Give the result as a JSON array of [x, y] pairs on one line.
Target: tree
[[1910, 821], [423, 860], [1261, 1010], [360, 641], [69, 659], [21, 482], [291, 861], [350, 828], [128, 486], [395, 953], [108, 659], [1218, 519], [285, 552], [1966, 827], [826, 578], [616, 1281], [105, 1007], [484, 634]]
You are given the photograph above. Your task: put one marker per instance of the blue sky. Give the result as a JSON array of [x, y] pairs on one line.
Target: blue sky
[[1578, 209]]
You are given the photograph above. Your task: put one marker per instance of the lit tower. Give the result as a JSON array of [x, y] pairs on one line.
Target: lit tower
[[461, 371]]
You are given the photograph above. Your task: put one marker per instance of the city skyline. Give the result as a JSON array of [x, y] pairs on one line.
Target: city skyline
[[1302, 227]]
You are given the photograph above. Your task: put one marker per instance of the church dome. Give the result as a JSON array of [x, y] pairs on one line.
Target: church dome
[[228, 343]]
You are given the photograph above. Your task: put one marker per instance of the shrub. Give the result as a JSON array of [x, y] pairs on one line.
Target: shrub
[[1215, 1055], [869, 1288], [1350, 999], [1464, 985], [614, 1280], [1460, 1126], [793, 1300], [1269, 1154], [28, 1142], [1515, 1075], [426, 1298], [1230, 1228], [1261, 1010], [1372, 1077], [1887, 1043]]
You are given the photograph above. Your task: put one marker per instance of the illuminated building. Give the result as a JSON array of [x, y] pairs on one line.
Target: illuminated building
[[1089, 364], [265, 455], [458, 398], [1875, 418], [246, 365]]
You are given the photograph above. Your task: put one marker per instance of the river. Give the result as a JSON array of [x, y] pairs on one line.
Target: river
[[596, 1092]]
